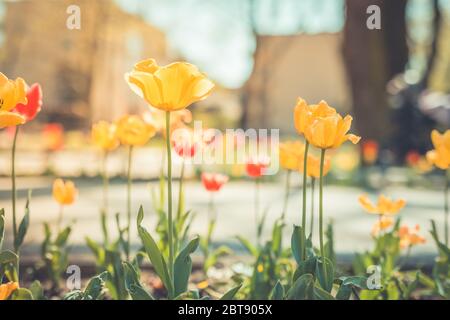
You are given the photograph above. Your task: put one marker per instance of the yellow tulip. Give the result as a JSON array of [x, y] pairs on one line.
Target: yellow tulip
[[104, 135], [169, 88], [382, 224], [305, 114], [291, 154], [64, 193], [441, 140], [313, 166], [440, 156], [12, 92], [330, 132], [7, 289], [132, 130], [385, 205]]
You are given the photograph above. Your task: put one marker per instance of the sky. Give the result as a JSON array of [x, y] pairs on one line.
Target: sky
[[216, 35]]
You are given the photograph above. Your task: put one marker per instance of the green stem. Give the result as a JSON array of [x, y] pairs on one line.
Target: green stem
[[286, 195], [130, 158], [169, 195], [446, 209], [105, 195], [305, 176], [180, 191], [313, 182], [60, 216], [322, 160], [257, 218], [13, 180]]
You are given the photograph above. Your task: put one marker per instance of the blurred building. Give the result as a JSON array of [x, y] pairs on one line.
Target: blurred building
[[81, 71], [286, 67]]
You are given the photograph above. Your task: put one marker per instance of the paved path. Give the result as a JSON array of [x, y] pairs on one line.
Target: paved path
[[235, 209]]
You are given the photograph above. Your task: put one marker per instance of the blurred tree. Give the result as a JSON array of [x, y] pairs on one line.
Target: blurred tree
[[372, 58]]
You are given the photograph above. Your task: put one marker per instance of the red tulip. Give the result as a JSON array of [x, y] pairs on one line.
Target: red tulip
[[255, 167], [213, 181], [33, 106], [185, 149]]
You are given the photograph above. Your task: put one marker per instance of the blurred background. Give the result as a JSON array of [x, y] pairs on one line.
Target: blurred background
[[262, 54]]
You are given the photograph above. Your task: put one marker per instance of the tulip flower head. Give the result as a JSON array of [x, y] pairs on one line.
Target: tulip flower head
[[169, 88], [370, 150], [313, 166], [104, 135], [33, 106], [65, 193], [330, 132], [185, 143], [385, 205], [12, 92], [304, 114], [256, 166], [440, 156], [382, 224], [213, 182], [132, 130], [7, 289], [291, 154], [53, 136], [410, 237]]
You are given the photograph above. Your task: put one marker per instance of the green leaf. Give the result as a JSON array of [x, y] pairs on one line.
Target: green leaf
[[9, 262], [37, 291], [23, 226], [344, 292], [22, 294], [229, 295], [154, 254], [321, 294], [62, 237], [355, 281], [277, 236], [302, 288], [95, 286], [306, 266], [248, 246], [2, 227], [134, 288], [277, 292], [298, 242], [325, 273], [183, 266]]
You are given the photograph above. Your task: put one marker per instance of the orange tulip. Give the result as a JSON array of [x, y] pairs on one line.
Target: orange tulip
[[291, 154], [12, 92], [305, 114], [330, 132], [382, 224], [64, 193], [385, 205], [7, 289], [313, 166], [410, 236], [370, 151], [440, 156]]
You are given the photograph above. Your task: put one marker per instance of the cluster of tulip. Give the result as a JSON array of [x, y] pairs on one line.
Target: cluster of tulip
[[302, 271]]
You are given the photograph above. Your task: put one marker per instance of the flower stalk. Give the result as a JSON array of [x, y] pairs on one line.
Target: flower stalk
[[322, 160], [130, 158], [169, 195], [14, 192], [305, 182]]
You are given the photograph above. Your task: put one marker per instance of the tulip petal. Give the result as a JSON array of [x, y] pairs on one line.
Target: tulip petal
[[10, 119]]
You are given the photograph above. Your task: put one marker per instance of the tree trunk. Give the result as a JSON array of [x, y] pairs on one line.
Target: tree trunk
[[372, 58]]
